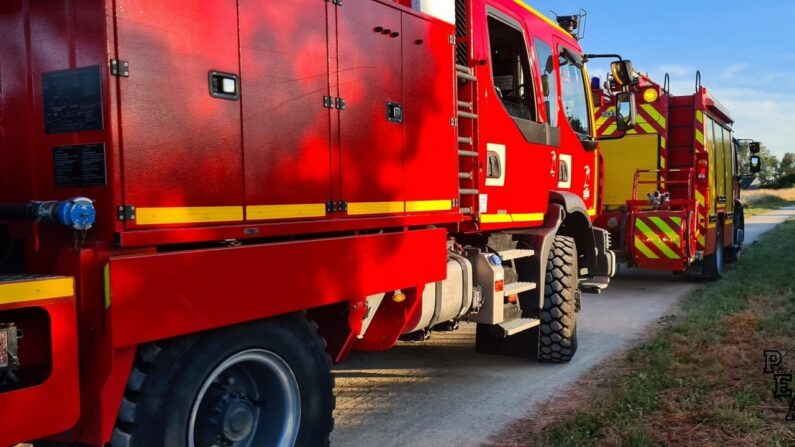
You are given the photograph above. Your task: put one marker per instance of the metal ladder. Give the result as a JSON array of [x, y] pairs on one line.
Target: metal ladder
[[466, 123]]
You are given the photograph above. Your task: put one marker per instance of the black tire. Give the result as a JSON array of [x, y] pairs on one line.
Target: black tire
[[557, 340], [163, 390], [713, 264], [733, 252]]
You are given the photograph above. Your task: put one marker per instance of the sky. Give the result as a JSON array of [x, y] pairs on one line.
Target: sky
[[744, 50]]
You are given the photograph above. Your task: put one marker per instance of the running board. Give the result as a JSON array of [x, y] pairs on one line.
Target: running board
[[516, 326], [516, 288], [595, 284], [516, 253]]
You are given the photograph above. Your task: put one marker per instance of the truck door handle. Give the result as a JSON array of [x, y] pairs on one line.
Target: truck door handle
[[493, 165]]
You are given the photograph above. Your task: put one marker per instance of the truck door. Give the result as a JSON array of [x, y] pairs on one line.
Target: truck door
[[513, 130], [181, 148], [284, 64], [371, 128]]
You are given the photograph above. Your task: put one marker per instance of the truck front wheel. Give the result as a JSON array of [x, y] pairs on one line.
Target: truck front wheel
[[256, 384], [557, 340]]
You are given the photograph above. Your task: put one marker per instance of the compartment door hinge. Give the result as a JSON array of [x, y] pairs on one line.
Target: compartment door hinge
[[337, 2], [120, 68], [125, 213], [331, 102]]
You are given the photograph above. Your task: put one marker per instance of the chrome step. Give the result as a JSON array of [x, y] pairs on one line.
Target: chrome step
[[463, 68], [518, 325], [467, 153], [466, 76], [462, 114], [465, 175], [465, 105], [516, 253], [518, 287], [465, 140], [468, 192]]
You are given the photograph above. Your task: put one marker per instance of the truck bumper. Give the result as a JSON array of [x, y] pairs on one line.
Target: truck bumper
[[39, 390]]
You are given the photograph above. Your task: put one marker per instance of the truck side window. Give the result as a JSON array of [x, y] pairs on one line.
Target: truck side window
[[573, 94], [510, 68], [549, 82]]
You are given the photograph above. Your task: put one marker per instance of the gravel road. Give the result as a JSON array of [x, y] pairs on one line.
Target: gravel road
[[441, 393]]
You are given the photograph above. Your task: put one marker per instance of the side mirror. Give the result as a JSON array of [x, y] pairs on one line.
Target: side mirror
[[623, 73], [626, 111], [756, 164], [545, 84], [754, 147]]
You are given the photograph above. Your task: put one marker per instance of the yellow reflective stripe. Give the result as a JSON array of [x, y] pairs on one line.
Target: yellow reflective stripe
[[495, 218], [36, 290], [699, 116], [268, 212], [601, 121], [647, 127], [641, 247], [702, 240], [428, 205], [677, 220], [181, 215], [654, 238], [106, 276], [527, 217], [700, 198], [662, 142], [610, 129], [360, 208], [592, 212], [656, 115], [673, 235], [700, 137], [540, 16], [662, 163]]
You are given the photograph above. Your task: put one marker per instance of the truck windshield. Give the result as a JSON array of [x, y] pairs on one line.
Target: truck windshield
[[575, 99]]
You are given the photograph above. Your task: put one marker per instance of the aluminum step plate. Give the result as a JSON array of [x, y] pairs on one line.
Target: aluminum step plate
[[518, 287], [518, 325], [515, 253]]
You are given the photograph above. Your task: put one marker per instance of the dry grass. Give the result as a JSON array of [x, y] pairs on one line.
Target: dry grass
[[761, 200]]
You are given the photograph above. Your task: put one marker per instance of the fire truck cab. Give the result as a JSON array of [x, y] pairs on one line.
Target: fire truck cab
[[204, 204]]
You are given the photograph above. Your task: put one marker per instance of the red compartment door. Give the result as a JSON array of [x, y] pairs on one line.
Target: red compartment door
[[370, 76], [428, 79], [181, 148], [285, 124]]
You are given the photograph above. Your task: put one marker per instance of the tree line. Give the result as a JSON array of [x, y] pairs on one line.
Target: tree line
[[776, 173]]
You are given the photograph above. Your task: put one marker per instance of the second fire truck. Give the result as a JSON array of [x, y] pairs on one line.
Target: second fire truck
[[672, 184]]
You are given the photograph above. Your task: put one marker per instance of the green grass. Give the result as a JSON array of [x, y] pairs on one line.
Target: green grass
[[699, 381]]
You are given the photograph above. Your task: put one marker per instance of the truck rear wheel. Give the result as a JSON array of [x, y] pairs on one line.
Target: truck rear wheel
[[713, 264], [733, 252], [557, 340], [265, 383]]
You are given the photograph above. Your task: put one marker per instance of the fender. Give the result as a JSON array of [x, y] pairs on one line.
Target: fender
[[577, 224]]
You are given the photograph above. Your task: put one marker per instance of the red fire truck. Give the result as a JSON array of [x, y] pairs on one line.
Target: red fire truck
[[204, 204], [672, 193]]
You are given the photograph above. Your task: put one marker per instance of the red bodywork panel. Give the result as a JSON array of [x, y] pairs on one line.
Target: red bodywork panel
[[232, 285]]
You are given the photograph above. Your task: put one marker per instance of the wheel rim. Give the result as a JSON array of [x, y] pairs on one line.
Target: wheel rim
[[250, 399]]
